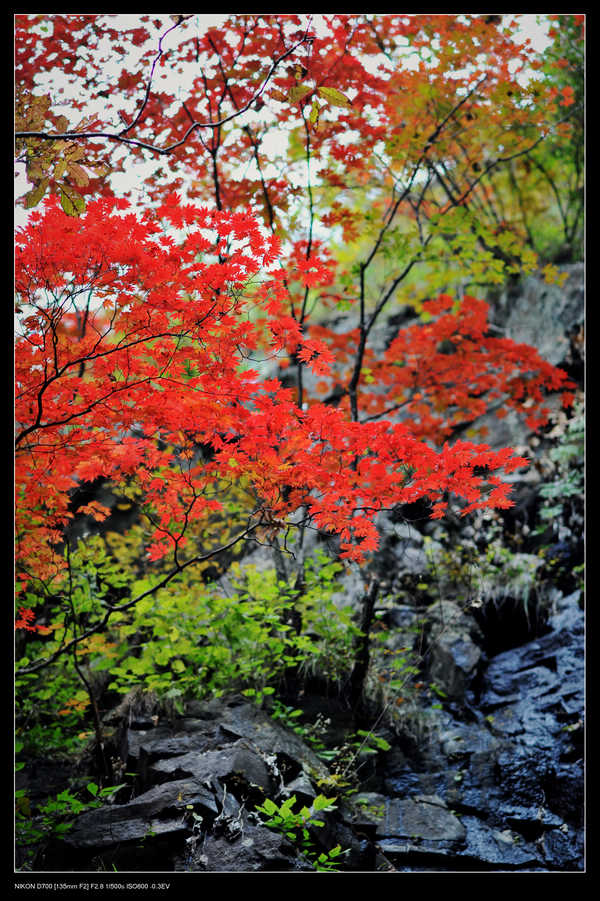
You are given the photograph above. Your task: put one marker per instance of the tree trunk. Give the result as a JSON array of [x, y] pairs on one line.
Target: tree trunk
[[361, 646]]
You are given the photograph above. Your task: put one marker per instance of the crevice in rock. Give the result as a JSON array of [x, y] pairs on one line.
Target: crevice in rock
[[510, 622]]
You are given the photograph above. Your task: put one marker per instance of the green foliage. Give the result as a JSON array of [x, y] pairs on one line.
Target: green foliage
[[330, 625], [296, 827], [397, 667], [565, 491], [197, 639], [370, 743], [51, 714], [34, 828], [481, 566], [52, 705], [194, 640], [312, 733]]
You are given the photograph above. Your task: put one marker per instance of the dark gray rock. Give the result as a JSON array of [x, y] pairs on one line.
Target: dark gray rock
[[511, 774], [196, 810], [233, 762], [421, 817], [160, 810], [453, 657], [249, 849], [500, 849], [562, 849]]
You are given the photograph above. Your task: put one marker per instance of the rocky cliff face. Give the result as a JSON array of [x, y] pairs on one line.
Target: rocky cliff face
[[549, 317]]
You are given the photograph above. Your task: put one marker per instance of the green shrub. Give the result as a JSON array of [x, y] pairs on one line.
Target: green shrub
[[195, 639], [562, 504]]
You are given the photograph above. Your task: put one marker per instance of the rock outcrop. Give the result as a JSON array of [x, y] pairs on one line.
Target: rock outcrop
[[495, 783]]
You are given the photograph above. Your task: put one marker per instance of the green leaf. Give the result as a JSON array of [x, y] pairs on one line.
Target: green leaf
[[334, 97], [323, 803], [111, 789], [35, 195], [286, 807], [72, 203], [92, 788], [299, 91], [269, 806]]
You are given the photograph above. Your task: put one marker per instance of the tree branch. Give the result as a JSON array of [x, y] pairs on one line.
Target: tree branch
[[41, 664], [120, 138]]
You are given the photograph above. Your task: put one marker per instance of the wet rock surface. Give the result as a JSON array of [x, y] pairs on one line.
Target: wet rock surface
[[513, 776]]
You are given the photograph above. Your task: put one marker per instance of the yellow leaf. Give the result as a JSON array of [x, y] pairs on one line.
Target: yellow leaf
[[299, 91], [314, 114], [334, 97], [74, 152]]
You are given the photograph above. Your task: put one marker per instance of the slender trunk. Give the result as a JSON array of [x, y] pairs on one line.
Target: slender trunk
[[361, 646], [102, 755]]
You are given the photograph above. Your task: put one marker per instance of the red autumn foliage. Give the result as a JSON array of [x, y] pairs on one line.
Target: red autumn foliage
[[133, 334], [136, 324]]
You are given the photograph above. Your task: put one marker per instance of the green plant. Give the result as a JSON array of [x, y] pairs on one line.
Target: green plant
[[375, 811], [437, 690], [309, 732], [34, 828], [346, 761], [51, 715], [369, 743], [198, 639], [296, 827], [562, 505]]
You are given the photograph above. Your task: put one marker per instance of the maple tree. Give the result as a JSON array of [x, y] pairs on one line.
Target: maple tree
[[301, 177]]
